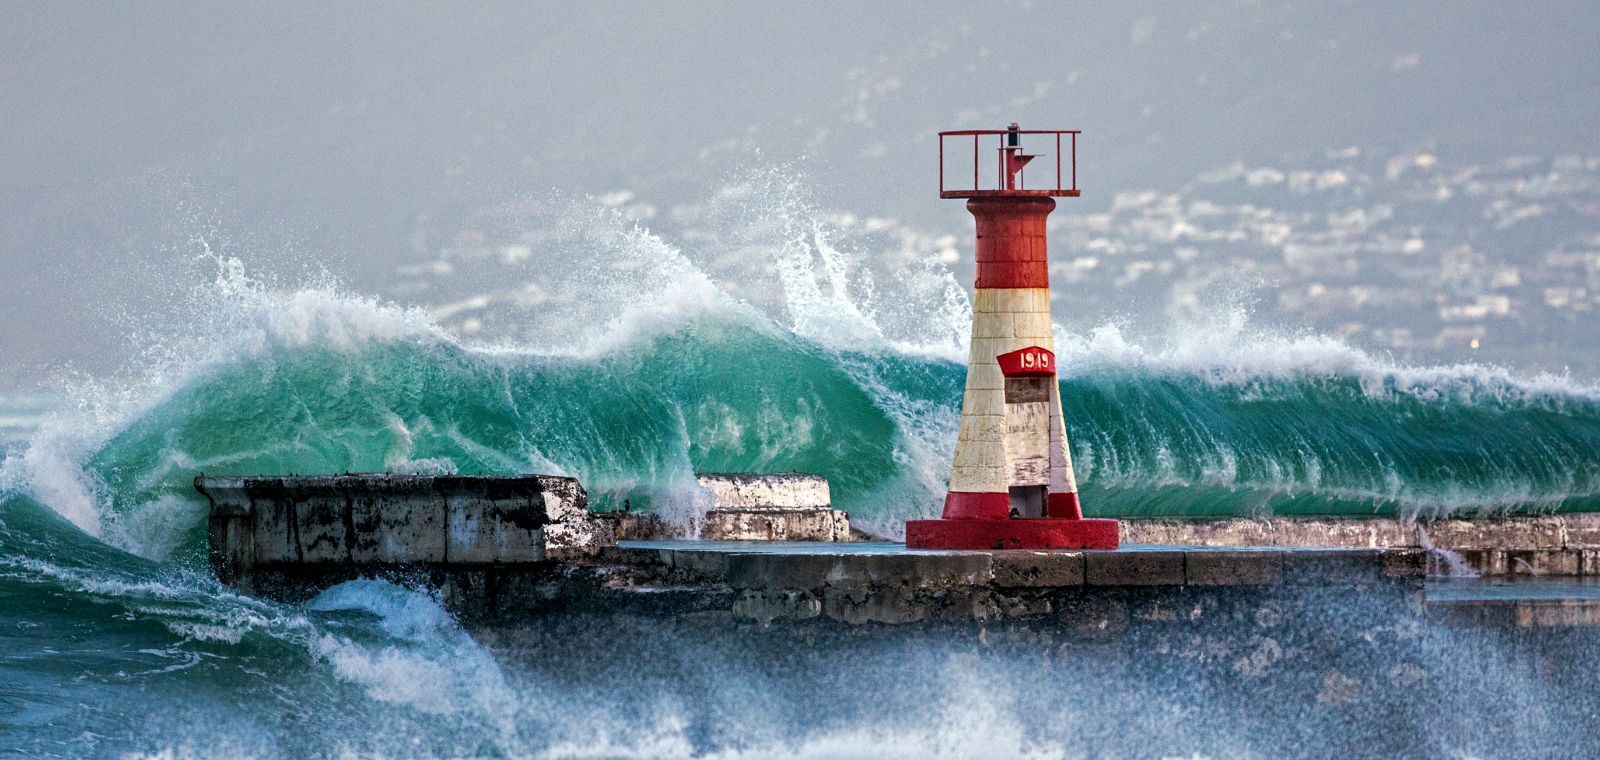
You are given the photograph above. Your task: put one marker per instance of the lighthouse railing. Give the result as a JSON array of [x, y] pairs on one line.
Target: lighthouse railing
[[1065, 155]]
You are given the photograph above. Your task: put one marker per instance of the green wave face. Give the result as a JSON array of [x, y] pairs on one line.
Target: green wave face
[[1467, 443], [632, 425], [728, 395]]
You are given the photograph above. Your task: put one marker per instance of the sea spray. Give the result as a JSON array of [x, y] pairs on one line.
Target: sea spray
[[661, 373], [635, 365]]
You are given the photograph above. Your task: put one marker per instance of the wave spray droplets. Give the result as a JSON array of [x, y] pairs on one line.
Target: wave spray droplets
[[630, 363], [639, 367]]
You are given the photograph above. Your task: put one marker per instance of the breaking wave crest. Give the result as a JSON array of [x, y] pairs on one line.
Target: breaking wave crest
[[1217, 420]]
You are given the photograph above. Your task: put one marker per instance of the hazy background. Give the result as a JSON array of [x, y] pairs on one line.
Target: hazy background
[[1418, 179]]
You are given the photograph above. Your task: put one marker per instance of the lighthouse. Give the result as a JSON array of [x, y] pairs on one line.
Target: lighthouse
[[1011, 482]]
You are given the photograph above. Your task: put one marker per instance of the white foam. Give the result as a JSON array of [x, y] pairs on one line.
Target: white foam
[[969, 718], [1230, 350], [227, 321], [428, 664]]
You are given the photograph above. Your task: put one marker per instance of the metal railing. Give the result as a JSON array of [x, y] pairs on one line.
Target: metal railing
[[1010, 162]]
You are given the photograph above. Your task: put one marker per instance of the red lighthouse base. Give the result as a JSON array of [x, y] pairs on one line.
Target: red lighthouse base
[[1019, 533]]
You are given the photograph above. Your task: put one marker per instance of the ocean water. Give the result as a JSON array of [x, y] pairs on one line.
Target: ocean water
[[115, 641]]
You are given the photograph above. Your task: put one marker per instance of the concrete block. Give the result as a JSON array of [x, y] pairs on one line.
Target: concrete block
[[1027, 569], [707, 565], [1371, 533], [637, 526], [778, 572], [320, 527], [916, 570], [1306, 532], [1588, 560], [274, 531], [483, 529], [1333, 567], [1231, 568], [1226, 532], [411, 531], [334, 516], [767, 491], [1542, 562], [1159, 567], [564, 498], [892, 606], [1507, 533], [353, 520], [228, 496], [1581, 529], [1405, 563], [583, 537], [366, 524], [775, 525], [1556, 614], [232, 548], [1094, 617], [764, 608], [1485, 561], [841, 526]]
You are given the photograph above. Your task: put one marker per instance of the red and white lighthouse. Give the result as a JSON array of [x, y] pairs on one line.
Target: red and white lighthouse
[[1012, 486]]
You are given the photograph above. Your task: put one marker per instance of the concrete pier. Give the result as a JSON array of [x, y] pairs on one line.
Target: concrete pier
[[504, 549], [1562, 545], [887, 583]]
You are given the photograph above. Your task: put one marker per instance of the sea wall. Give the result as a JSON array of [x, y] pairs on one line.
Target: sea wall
[[1563, 545], [1555, 545], [885, 583], [355, 524]]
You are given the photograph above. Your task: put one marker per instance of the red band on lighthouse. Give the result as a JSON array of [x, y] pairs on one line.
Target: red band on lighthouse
[[961, 505], [1064, 506], [1011, 250], [980, 535]]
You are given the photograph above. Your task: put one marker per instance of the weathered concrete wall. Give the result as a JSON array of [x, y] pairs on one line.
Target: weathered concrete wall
[[771, 507], [1553, 545], [776, 525], [1537, 545], [787, 490], [884, 583], [376, 521]]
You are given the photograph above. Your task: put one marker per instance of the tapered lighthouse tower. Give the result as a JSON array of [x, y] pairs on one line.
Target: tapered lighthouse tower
[[1011, 486]]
